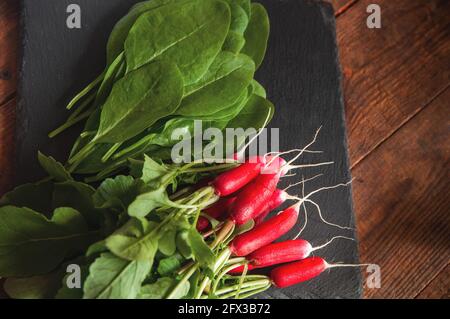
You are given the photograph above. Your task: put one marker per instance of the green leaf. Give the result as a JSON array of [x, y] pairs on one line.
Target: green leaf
[[158, 290], [257, 34], [114, 71], [234, 42], [120, 32], [136, 240], [200, 250], [258, 89], [30, 244], [153, 172], [220, 87], [36, 196], [166, 243], [111, 277], [55, 169], [148, 201], [169, 265], [117, 192], [183, 245], [188, 33], [96, 248], [256, 113], [138, 100], [37, 287], [70, 219], [79, 196]]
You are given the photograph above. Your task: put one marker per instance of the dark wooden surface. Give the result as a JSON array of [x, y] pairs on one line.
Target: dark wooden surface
[[396, 84]]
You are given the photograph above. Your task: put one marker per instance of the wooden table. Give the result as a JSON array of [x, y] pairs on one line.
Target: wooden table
[[396, 82]]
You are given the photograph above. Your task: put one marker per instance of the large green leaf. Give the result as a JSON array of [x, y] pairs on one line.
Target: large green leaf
[[188, 33], [220, 87], [138, 100], [257, 34], [36, 196], [31, 244], [116, 41], [111, 277]]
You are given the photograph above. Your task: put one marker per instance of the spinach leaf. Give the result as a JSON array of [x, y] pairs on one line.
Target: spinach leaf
[[189, 33], [138, 100], [27, 237], [234, 42], [120, 31], [36, 196], [111, 277], [257, 34], [256, 113], [221, 86], [55, 169], [157, 290], [258, 89], [114, 71]]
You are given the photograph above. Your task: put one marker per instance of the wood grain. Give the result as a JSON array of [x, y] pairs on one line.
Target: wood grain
[[393, 72], [7, 127], [439, 287], [402, 212], [9, 35]]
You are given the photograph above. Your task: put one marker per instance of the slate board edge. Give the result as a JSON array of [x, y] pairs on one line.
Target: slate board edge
[[332, 21]]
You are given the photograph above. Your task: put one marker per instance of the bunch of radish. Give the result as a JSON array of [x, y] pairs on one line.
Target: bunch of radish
[[249, 192]]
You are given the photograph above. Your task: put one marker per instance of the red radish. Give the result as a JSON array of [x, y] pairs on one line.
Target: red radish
[[303, 270], [216, 211], [282, 252], [278, 197], [202, 223], [265, 233], [297, 272], [231, 181], [252, 199]]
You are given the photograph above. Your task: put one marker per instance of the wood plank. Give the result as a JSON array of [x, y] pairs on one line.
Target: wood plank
[[9, 37], [7, 128], [391, 73], [439, 287], [401, 204]]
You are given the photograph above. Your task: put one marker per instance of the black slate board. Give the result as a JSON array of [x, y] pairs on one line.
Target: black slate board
[[301, 73]]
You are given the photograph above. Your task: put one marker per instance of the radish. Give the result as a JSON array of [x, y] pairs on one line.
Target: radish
[[303, 270], [283, 252], [265, 233], [216, 211], [231, 181], [278, 197]]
